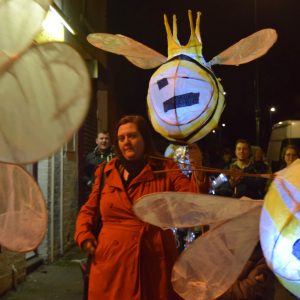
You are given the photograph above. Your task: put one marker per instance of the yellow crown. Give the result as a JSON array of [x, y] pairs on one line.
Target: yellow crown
[[194, 46]]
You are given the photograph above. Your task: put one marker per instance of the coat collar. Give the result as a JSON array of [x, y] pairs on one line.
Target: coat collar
[[114, 177]]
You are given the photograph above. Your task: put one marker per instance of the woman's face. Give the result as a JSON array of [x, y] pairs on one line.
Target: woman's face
[[131, 142], [290, 155]]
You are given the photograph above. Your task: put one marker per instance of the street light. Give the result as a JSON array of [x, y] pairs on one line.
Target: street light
[[272, 110]]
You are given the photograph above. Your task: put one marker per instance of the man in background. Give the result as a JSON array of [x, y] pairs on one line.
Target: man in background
[[238, 185], [102, 152]]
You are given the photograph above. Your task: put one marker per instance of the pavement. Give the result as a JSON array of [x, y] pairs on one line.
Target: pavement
[[60, 280], [63, 280]]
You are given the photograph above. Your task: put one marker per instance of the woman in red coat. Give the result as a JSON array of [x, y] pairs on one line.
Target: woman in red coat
[[132, 260]]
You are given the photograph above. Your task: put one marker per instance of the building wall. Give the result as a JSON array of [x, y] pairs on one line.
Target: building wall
[[12, 269], [58, 177]]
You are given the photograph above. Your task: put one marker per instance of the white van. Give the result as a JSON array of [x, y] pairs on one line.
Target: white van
[[283, 133]]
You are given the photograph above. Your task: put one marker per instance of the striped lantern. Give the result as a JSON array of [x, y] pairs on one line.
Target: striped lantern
[[185, 99], [280, 227]]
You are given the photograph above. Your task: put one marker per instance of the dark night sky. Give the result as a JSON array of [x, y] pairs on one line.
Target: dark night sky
[[223, 22]]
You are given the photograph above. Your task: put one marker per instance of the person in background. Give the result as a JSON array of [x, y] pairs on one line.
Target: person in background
[[261, 166], [131, 259], [289, 154], [238, 185], [226, 159], [256, 281], [259, 159], [102, 152]]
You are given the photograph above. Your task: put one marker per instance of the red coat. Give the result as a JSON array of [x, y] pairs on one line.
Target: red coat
[[133, 259]]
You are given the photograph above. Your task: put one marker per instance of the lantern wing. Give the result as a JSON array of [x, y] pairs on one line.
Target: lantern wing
[[212, 263], [180, 209], [137, 53], [225, 248], [247, 49], [23, 212], [17, 30], [46, 95]]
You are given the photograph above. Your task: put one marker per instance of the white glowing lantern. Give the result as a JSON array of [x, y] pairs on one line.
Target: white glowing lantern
[[185, 99], [280, 227]]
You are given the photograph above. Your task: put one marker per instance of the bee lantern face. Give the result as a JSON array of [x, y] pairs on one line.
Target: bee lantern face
[[184, 96]]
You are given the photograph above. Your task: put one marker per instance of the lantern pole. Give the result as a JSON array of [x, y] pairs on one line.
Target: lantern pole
[[256, 84]]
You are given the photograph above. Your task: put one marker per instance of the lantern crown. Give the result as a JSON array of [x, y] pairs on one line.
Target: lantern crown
[[194, 46]]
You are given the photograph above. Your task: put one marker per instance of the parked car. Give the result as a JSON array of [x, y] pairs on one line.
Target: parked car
[[283, 133]]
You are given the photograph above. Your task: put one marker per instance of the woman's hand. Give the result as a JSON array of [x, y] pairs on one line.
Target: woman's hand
[[89, 246]]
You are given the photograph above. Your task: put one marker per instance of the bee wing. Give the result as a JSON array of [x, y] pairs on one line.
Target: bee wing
[[23, 209], [137, 53], [175, 209], [45, 94], [17, 29], [212, 263], [247, 49]]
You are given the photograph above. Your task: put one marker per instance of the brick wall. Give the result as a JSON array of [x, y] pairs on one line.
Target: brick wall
[[12, 269], [58, 178]]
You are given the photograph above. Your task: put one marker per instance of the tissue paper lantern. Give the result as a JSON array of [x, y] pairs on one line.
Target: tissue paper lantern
[[23, 213], [44, 89], [280, 227], [225, 248], [185, 98]]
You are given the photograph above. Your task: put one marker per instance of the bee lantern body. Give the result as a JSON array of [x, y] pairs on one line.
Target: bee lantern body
[[280, 227], [185, 99]]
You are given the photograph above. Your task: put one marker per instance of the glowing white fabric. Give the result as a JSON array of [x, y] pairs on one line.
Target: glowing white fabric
[[280, 227], [45, 89], [185, 99], [23, 214], [212, 263]]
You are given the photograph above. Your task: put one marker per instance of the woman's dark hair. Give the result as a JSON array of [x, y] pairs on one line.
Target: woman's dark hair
[[285, 149], [144, 130]]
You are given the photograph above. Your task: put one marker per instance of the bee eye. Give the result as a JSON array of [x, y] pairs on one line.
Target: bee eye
[[296, 249], [162, 83]]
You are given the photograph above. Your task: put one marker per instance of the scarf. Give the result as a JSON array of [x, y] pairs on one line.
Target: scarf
[[132, 167]]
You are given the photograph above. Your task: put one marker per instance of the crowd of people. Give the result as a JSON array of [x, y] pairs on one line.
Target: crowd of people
[[133, 260]]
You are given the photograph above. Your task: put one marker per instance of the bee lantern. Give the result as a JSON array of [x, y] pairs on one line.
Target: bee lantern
[[185, 99], [280, 227]]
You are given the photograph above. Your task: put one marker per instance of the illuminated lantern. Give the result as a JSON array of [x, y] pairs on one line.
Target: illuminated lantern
[[225, 247], [44, 89], [280, 227], [185, 99], [23, 212]]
